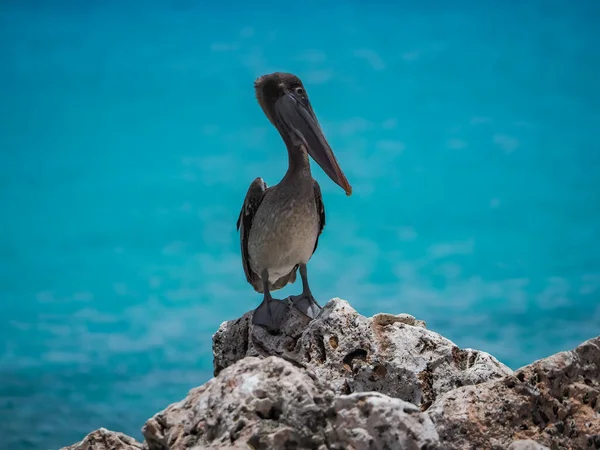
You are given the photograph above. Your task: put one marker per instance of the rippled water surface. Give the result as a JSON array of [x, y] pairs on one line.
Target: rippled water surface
[[129, 135]]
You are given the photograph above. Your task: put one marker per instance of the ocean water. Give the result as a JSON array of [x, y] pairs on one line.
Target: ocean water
[[129, 133]]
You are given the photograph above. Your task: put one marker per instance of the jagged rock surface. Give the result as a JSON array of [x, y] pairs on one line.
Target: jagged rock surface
[[526, 444], [554, 401], [103, 439], [394, 355], [271, 404], [329, 392]]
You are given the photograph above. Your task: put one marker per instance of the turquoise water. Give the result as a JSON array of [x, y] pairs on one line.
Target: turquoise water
[[129, 135]]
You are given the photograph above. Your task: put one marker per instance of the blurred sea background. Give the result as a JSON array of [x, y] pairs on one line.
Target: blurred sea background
[[129, 133]]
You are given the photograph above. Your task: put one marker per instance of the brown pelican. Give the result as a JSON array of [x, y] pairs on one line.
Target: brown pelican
[[280, 225]]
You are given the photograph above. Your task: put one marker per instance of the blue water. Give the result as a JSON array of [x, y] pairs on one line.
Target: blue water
[[129, 134]]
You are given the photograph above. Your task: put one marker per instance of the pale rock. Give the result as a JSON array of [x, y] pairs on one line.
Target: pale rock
[[326, 391], [375, 421], [553, 401], [392, 354], [271, 404], [526, 444], [384, 319], [103, 439]]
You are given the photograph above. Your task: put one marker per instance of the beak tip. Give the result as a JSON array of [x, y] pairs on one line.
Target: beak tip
[[349, 191]]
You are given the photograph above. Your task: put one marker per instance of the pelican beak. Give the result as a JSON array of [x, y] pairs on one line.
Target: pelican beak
[[297, 122]]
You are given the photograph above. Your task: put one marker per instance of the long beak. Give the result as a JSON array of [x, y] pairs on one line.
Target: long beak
[[299, 123]]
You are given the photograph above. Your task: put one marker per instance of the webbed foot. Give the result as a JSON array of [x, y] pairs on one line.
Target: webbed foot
[[270, 314], [307, 304]]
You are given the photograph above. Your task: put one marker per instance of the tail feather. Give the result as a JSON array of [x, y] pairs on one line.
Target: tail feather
[[280, 283]]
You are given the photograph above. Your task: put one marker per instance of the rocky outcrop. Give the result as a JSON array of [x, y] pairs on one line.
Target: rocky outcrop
[[394, 355], [344, 381], [526, 444], [272, 404], [103, 439], [554, 401]]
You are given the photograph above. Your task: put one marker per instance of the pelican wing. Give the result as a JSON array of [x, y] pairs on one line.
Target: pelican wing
[[320, 211], [254, 197]]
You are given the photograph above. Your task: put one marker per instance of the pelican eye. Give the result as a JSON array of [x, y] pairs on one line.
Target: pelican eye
[[299, 91]]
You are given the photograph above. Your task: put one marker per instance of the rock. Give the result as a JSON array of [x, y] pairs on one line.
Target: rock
[[554, 401], [344, 381], [376, 421], [526, 444], [103, 439], [271, 404], [394, 355], [384, 319], [232, 342]]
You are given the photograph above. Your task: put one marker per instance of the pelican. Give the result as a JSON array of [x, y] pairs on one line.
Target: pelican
[[280, 225]]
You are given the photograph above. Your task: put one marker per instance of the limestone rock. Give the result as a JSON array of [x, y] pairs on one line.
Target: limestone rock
[[384, 319], [103, 439], [554, 401], [344, 381], [375, 421], [271, 404], [526, 444], [394, 355]]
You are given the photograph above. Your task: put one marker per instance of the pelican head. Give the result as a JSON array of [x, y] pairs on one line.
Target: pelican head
[[285, 102]]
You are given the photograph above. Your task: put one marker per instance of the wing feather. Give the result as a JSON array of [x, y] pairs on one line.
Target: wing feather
[[320, 211], [254, 197]]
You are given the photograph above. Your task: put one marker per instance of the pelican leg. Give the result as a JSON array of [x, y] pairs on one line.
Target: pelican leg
[[305, 302], [271, 312]]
